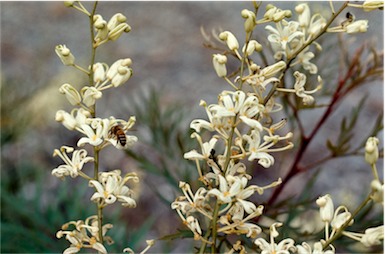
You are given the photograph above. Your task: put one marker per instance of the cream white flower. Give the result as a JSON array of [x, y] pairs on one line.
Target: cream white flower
[[73, 120], [115, 20], [90, 95], [283, 247], [317, 23], [111, 137], [299, 88], [101, 29], [230, 40], [326, 208], [311, 25], [272, 70], [71, 166], [274, 14], [233, 190], [373, 236], [219, 62], [65, 55], [117, 31], [94, 135], [99, 70], [120, 72], [371, 150], [193, 224], [304, 58], [66, 119], [71, 94], [305, 248], [84, 235], [232, 103], [149, 243], [252, 46], [359, 26], [232, 225], [111, 188], [257, 151], [285, 39], [377, 194], [206, 149], [370, 5], [250, 21], [116, 26], [303, 11], [341, 216]]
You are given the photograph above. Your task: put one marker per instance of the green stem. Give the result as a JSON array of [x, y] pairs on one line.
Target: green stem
[[374, 169], [99, 207], [204, 243], [214, 227], [93, 48]]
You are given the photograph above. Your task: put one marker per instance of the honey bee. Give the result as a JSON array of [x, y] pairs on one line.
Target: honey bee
[[119, 134]]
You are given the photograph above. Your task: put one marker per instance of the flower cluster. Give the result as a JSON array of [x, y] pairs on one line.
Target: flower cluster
[[335, 221], [96, 133], [84, 235], [242, 130], [236, 122]]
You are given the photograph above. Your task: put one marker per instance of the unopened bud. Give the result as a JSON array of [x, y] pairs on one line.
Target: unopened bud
[[250, 21], [230, 39], [371, 150], [219, 62], [326, 208], [65, 55], [71, 94]]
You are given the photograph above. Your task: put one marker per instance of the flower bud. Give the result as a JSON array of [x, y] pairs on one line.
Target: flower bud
[[66, 119], [65, 55], [326, 208], [304, 14], [115, 20], [281, 14], [219, 62], [99, 72], [271, 70], [101, 27], [71, 94], [252, 46], [114, 67], [370, 5], [359, 26], [341, 218], [69, 3], [230, 39], [377, 194], [90, 95], [123, 74], [250, 21], [115, 33], [270, 10], [373, 236], [371, 150]]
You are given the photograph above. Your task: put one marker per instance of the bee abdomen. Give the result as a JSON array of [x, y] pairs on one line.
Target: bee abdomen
[[122, 139]]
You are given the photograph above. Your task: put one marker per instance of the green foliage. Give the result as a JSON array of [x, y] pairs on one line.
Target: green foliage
[[29, 224], [342, 146], [167, 138]]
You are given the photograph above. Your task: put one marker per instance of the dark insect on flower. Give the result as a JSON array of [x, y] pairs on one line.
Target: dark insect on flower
[[350, 16], [349, 19], [119, 134]]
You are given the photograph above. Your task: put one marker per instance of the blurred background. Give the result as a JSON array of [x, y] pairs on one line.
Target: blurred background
[[172, 72]]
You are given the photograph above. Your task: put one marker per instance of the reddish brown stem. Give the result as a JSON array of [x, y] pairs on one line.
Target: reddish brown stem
[[305, 141]]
